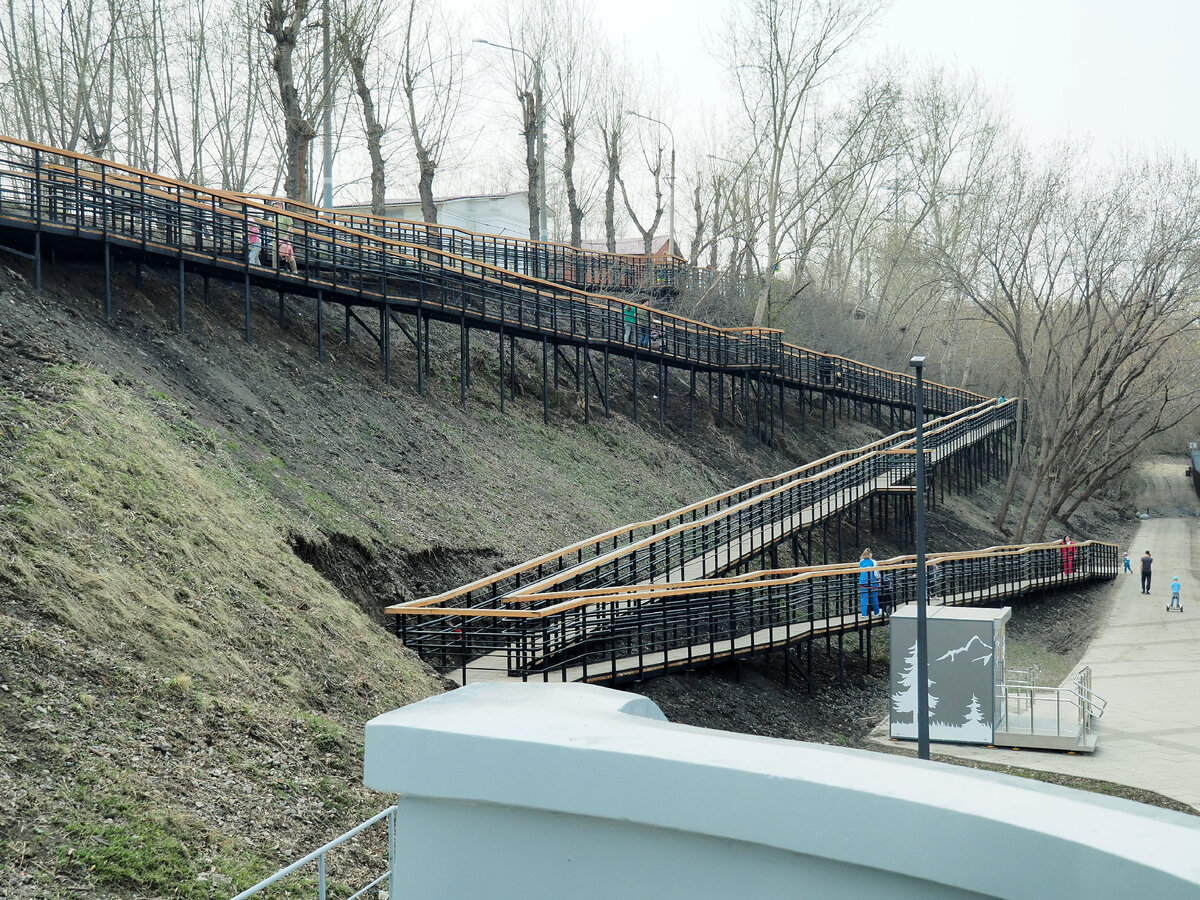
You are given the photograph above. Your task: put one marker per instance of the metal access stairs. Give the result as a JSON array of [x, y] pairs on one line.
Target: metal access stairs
[[1048, 718]]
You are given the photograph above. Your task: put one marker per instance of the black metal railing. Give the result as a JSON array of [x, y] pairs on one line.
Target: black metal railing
[[588, 270], [634, 632], [710, 538], [57, 192]]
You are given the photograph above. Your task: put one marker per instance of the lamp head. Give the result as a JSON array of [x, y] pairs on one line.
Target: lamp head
[[917, 362]]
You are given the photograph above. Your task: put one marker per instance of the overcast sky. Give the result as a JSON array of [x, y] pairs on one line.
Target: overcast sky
[[1121, 71]]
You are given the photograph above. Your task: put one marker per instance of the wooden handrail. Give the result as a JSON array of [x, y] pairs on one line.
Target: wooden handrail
[[767, 578], [793, 478]]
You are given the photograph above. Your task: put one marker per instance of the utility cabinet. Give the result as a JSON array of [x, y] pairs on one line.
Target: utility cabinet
[[966, 673]]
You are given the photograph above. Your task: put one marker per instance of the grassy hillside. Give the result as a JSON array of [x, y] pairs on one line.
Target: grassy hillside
[[195, 537]]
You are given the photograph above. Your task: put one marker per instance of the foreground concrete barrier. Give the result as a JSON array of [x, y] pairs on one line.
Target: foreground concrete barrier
[[571, 790]]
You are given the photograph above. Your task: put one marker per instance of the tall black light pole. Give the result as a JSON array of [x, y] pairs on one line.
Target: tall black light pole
[[327, 124], [918, 364]]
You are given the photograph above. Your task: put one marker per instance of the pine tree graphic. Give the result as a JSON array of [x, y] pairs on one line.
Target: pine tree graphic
[[905, 700], [974, 713]]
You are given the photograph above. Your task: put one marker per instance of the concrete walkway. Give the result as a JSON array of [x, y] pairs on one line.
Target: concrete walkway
[[1145, 661]]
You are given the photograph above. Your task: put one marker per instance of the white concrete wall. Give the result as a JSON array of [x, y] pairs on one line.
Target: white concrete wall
[[574, 791]]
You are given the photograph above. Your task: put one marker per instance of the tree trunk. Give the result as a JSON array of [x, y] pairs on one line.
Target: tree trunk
[[374, 130], [427, 169], [574, 210], [612, 163], [530, 129], [283, 26]]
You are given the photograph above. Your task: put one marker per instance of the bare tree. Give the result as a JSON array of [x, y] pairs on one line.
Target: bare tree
[[233, 142], [359, 31], [283, 22], [62, 71], [1090, 286], [780, 53], [614, 93], [527, 34], [572, 59], [653, 157], [431, 74]]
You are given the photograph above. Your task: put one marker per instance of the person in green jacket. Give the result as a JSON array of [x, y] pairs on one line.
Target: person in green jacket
[[630, 322]]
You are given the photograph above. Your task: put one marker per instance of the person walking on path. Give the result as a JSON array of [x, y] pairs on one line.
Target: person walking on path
[[868, 583], [1147, 562], [1128, 564], [1175, 595], [1068, 556], [630, 322], [253, 241]]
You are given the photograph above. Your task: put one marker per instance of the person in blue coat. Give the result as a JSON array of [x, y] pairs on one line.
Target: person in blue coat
[[868, 583]]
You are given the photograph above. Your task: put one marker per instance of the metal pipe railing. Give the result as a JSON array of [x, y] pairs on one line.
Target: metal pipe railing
[[319, 856]]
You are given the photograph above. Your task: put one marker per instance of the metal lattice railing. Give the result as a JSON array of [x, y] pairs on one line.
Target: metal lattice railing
[[406, 266], [691, 545], [640, 630], [321, 855], [649, 550]]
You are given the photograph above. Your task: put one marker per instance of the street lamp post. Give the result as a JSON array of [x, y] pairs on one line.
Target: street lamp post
[[918, 364], [540, 123], [326, 66], [671, 225]]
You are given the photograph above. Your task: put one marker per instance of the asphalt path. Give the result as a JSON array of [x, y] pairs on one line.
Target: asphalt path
[[1145, 660]]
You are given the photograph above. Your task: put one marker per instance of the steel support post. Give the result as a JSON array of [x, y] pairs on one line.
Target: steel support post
[[607, 406], [182, 317], [320, 326], [662, 394], [385, 337], [635, 383], [462, 363], [107, 281], [692, 399], [246, 303], [746, 408], [918, 364]]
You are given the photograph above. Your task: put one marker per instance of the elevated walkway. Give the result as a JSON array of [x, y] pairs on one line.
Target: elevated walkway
[[72, 202], [681, 627]]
